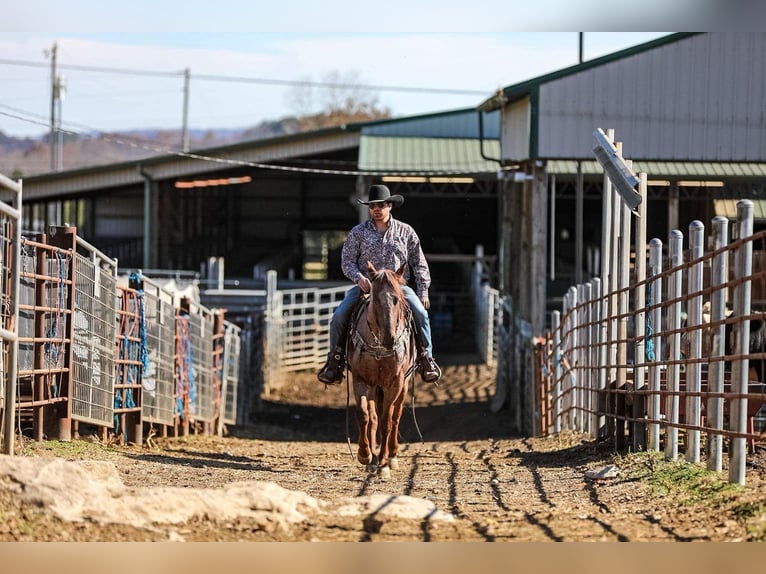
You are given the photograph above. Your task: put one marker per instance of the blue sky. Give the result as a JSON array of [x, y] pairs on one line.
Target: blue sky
[[447, 45]]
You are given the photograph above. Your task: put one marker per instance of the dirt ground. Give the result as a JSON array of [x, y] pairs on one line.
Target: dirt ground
[[495, 486]]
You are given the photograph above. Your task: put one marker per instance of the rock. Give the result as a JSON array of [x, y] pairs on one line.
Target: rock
[[609, 471]]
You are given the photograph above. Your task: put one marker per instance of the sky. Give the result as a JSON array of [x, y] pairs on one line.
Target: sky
[[122, 64]]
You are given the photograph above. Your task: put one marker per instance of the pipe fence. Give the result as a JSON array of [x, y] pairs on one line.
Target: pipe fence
[[83, 349], [665, 361]]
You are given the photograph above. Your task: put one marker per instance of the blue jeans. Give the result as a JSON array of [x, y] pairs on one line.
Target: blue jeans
[[342, 315]]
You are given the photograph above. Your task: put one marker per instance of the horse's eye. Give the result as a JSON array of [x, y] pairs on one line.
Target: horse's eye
[[396, 301]]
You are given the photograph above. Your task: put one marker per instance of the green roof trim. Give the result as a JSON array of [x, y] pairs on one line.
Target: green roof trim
[[669, 169], [523, 89], [414, 154]]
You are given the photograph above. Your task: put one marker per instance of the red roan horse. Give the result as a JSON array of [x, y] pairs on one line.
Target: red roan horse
[[381, 355]]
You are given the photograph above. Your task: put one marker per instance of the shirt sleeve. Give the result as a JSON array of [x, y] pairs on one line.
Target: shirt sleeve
[[349, 256], [416, 259]]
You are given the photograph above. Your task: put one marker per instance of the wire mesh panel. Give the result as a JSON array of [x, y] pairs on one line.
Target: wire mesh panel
[[194, 364], [158, 384], [231, 361], [93, 343], [203, 408], [45, 311]]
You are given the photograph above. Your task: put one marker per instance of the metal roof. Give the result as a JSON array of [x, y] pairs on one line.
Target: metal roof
[[422, 154], [526, 88], [669, 169]]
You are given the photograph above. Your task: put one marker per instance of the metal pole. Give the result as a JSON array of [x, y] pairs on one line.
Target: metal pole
[[674, 344], [557, 370], [52, 135], [578, 224], [185, 131], [597, 379], [743, 269], [694, 322], [655, 356], [639, 359], [719, 279]]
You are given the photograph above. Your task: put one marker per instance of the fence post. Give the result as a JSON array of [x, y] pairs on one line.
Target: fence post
[[654, 342], [557, 371], [623, 304], [674, 344], [598, 379], [272, 342], [719, 279], [694, 322], [639, 326], [574, 380], [743, 268]]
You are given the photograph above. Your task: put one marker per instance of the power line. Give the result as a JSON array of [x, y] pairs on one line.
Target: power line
[[148, 146], [249, 80]]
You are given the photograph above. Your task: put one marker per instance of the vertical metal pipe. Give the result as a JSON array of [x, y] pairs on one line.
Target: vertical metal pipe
[[639, 354], [557, 371], [573, 380], [595, 357], [622, 324], [674, 344], [719, 279], [654, 354], [606, 266], [694, 323], [743, 269]]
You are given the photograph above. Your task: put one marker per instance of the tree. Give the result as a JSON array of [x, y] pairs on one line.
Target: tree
[[342, 99]]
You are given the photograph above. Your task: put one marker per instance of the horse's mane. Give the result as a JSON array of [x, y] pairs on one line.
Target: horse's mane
[[391, 278]]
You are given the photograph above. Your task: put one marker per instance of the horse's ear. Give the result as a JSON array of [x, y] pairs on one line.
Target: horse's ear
[[400, 271], [372, 269]]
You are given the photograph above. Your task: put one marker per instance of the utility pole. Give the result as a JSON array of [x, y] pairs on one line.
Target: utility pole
[[59, 92], [185, 130], [54, 82]]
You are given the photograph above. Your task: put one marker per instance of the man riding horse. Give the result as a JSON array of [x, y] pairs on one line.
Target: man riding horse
[[387, 243]]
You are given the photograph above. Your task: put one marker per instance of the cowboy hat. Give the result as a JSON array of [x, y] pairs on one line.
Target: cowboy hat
[[381, 193]]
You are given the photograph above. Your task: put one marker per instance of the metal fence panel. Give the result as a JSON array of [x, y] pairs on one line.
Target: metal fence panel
[[93, 351], [158, 385]]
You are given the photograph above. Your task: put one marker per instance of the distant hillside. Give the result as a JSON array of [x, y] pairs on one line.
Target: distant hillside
[[22, 157]]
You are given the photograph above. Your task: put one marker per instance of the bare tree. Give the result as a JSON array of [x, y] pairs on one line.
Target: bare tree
[[341, 99]]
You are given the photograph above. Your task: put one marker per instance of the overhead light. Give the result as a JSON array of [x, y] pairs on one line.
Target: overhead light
[[404, 179], [450, 179], [212, 182], [700, 184]]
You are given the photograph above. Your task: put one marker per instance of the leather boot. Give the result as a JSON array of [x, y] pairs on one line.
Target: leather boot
[[332, 372], [429, 370]]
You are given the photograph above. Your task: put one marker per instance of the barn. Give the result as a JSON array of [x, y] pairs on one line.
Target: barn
[[690, 111]]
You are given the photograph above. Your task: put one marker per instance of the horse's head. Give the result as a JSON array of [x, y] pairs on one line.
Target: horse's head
[[388, 303]]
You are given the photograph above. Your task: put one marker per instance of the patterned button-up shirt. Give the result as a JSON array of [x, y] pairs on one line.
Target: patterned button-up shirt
[[390, 250]]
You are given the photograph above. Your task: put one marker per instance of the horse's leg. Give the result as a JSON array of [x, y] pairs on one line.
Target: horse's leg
[[396, 417], [363, 454], [386, 410]]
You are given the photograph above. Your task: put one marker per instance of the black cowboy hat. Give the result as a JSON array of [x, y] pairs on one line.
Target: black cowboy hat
[[379, 194]]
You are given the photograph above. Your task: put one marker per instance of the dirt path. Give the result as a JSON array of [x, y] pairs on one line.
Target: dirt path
[[493, 486]]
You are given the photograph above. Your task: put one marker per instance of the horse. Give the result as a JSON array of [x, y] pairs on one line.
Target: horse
[[381, 355]]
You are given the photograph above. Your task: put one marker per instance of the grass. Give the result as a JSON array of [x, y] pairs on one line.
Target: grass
[[692, 485]]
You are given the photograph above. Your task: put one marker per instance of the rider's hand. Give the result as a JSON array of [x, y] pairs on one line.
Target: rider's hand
[[364, 284], [426, 301]]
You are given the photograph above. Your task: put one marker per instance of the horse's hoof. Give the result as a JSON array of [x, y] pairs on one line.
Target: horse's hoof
[[372, 468], [385, 472], [364, 461], [394, 463]]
